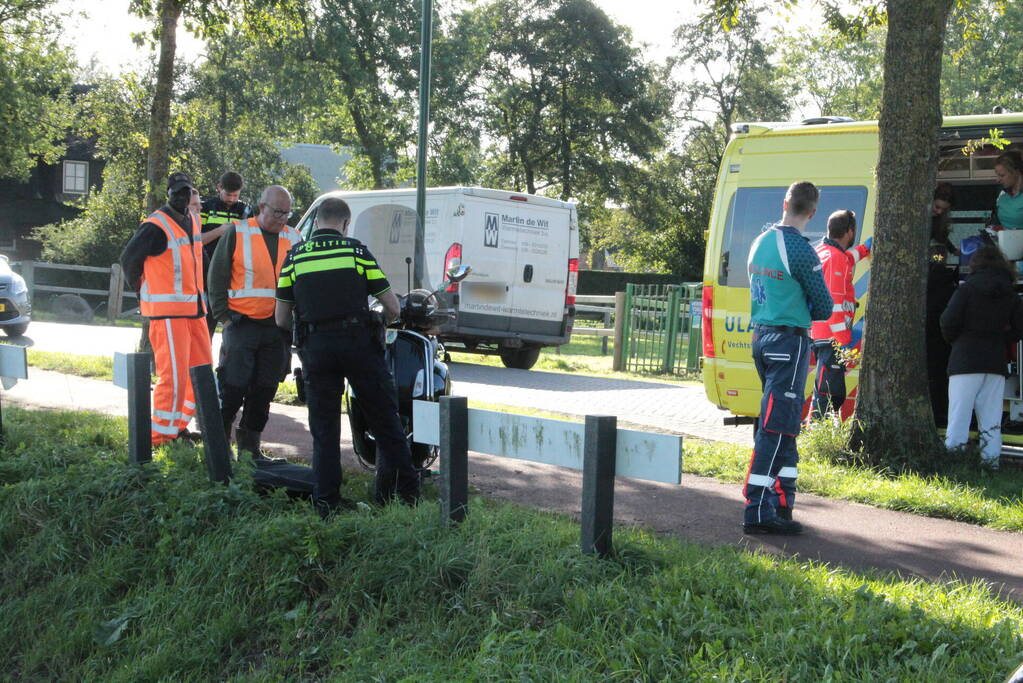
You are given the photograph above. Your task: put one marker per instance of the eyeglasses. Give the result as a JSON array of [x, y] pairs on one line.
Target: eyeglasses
[[279, 213]]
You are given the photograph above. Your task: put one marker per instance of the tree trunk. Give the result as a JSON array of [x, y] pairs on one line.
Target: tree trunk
[[893, 411], [159, 117]]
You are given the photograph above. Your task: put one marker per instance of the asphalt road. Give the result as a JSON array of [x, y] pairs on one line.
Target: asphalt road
[[666, 407]]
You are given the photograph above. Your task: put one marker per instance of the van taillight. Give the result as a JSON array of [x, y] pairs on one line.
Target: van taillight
[[452, 259], [707, 324], [573, 281], [517, 198]]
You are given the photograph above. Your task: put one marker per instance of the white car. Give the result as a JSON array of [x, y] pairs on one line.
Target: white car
[[15, 308]]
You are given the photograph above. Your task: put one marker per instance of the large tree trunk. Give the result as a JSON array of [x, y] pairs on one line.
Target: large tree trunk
[[159, 117], [893, 410]]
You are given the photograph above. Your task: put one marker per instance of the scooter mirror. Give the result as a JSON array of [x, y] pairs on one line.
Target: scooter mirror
[[458, 273]]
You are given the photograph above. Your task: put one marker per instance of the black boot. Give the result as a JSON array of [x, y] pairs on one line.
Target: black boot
[[250, 441]]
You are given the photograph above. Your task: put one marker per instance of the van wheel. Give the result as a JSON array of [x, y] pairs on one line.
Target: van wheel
[[520, 359]]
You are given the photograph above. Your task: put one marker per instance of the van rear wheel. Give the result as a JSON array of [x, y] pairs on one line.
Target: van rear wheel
[[520, 359]]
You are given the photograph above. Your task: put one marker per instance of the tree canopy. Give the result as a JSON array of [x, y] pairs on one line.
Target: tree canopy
[[36, 73]]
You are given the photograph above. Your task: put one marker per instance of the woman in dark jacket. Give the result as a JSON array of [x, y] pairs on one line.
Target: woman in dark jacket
[[983, 317]]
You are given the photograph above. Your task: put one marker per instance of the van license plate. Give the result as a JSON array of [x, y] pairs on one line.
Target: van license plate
[[488, 293]]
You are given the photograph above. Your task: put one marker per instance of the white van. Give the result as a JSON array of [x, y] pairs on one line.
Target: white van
[[523, 249]]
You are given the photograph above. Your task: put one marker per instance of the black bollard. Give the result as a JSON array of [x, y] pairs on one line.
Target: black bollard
[[216, 450], [454, 458], [140, 436], [598, 484]]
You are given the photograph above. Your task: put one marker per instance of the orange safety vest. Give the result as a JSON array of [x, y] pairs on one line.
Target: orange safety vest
[[172, 283], [253, 277]]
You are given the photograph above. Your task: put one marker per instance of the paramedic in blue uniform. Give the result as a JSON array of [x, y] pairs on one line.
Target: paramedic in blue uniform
[[787, 291], [323, 290]]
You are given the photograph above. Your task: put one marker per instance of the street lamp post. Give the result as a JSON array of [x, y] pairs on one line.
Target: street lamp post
[[424, 123]]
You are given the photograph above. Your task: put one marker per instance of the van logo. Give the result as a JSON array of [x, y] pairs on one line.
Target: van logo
[[491, 229], [395, 235]]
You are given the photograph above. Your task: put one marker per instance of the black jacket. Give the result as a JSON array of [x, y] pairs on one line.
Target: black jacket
[[984, 316]]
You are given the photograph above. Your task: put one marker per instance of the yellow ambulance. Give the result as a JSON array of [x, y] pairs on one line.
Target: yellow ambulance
[[839, 156]]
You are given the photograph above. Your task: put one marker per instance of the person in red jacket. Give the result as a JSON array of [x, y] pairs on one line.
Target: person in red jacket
[[838, 260]]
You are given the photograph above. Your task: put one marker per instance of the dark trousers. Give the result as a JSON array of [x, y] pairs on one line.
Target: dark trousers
[[328, 359], [938, 351], [254, 358], [829, 387], [782, 361]]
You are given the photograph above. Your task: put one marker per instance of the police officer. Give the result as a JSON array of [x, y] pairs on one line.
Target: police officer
[[786, 292], [324, 283], [254, 355], [217, 213]]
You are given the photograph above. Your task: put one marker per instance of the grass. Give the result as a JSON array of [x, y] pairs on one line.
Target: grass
[[119, 573], [961, 491], [94, 367]]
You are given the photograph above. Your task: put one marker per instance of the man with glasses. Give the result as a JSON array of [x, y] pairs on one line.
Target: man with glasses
[[254, 354]]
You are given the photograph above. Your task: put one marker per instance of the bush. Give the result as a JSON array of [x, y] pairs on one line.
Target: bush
[[608, 282]]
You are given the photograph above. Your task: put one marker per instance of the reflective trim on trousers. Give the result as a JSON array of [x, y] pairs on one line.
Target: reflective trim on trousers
[[760, 480]]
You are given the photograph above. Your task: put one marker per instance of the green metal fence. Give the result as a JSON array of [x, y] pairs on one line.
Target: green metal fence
[[661, 331]]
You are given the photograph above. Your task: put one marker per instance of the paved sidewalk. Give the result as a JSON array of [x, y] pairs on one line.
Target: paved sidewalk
[[702, 510]]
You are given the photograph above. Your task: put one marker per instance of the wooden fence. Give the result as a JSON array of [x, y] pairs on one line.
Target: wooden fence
[[115, 291]]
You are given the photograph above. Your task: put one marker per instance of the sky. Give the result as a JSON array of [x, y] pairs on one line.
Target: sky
[[102, 29]]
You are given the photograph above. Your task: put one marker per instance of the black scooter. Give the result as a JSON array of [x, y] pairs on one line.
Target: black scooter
[[415, 359]]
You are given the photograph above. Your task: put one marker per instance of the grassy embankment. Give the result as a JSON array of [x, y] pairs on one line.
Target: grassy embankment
[[960, 492], [120, 573]]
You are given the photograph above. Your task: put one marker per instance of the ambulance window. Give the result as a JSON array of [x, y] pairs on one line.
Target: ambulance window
[[754, 209]]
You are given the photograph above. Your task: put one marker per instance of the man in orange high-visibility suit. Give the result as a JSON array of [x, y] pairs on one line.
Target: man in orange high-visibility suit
[[255, 354], [838, 261], [163, 263]]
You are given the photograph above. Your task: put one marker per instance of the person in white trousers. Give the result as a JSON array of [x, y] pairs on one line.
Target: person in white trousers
[[982, 319]]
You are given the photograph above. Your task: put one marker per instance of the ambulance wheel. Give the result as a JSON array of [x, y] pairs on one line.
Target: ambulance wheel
[[363, 444], [520, 359]]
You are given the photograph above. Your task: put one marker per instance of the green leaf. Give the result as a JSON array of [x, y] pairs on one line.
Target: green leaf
[[109, 632]]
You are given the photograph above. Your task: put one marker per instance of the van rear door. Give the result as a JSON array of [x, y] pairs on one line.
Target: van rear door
[[519, 250], [541, 269]]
